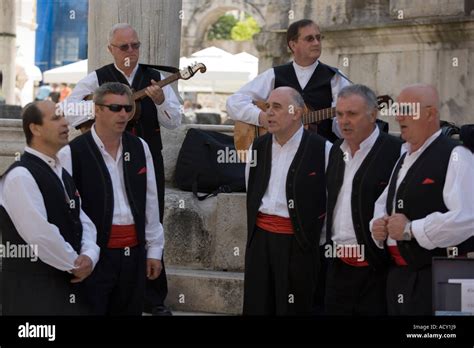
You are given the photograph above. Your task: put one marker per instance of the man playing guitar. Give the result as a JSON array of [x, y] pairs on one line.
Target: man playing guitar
[[318, 83]]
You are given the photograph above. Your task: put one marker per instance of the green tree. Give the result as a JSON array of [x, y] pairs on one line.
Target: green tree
[[245, 30], [221, 30]]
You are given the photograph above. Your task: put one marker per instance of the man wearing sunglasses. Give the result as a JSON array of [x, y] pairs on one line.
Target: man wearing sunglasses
[[160, 108], [114, 172], [318, 83]]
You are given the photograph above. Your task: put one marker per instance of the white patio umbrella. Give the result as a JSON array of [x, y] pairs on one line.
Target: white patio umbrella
[[226, 73], [70, 73]]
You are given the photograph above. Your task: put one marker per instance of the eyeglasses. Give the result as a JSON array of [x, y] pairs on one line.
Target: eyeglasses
[[124, 47], [118, 107]]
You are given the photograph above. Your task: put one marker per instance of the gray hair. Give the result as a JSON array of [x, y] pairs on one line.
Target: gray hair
[[116, 88], [363, 91], [298, 100], [119, 26]]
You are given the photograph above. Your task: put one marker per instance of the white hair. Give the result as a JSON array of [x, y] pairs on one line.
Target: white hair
[[119, 26]]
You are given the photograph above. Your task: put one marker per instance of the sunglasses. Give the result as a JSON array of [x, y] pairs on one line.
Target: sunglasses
[[118, 107], [124, 47]]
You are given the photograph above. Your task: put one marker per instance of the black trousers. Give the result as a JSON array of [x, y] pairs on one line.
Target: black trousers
[[409, 292], [320, 291], [354, 290], [117, 284], [42, 294], [157, 289], [280, 277]]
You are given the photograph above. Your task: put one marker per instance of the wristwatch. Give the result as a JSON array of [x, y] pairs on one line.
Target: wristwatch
[[407, 234]]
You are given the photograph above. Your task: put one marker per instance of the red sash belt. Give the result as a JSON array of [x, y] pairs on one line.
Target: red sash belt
[[352, 261], [275, 224], [122, 236], [397, 257]]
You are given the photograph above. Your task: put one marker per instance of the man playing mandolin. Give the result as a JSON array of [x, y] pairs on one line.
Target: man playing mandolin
[[160, 107], [318, 83]]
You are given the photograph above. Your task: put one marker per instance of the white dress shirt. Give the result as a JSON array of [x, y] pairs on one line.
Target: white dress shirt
[[240, 107], [342, 227], [274, 200], [169, 115], [440, 230], [122, 214], [24, 203]]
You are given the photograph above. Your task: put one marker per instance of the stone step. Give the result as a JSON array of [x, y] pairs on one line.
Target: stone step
[[209, 234], [203, 291]]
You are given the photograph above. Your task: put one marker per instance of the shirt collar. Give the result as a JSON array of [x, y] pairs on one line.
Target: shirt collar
[[309, 67], [295, 139], [99, 142], [132, 75], [366, 144], [53, 162], [406, 146]]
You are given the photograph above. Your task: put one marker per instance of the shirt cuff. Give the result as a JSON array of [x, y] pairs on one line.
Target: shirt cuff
[[93, 254], [418, 230], [162, 108], [255, 117], [379, 244], [154, 253]]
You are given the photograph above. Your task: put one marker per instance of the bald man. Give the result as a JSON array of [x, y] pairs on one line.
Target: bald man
[[425, 208], [286, 205], [41, 210]]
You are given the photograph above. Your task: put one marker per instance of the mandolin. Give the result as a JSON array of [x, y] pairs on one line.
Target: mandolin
[[184, 74]]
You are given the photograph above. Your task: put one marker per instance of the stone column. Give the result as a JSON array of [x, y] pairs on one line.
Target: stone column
[[157, 23], [7, 48]]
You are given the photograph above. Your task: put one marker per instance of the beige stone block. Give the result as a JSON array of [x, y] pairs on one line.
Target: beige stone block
[[191, 290], [209, 234]]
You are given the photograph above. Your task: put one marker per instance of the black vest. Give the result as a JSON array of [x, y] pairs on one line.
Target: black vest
[[95, 185], [317, 93], [148, 126], [62, 212], [305, 187], [368, 184], [416, 198]]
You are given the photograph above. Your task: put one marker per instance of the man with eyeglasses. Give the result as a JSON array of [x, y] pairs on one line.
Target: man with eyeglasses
[[161, 107], [426, 207], [318, 83], [114, 172]]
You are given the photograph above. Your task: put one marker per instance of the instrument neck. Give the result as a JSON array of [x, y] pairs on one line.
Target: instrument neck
[[318, 115], [142, 93]]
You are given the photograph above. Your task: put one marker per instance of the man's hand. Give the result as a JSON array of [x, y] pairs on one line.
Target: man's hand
[[396, 226], [153, 268], [83, 268], [155, 93], [379, 229], [263, 119]]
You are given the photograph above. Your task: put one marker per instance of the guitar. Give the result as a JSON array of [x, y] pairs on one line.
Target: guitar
[[184, 74], [245, 134]]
